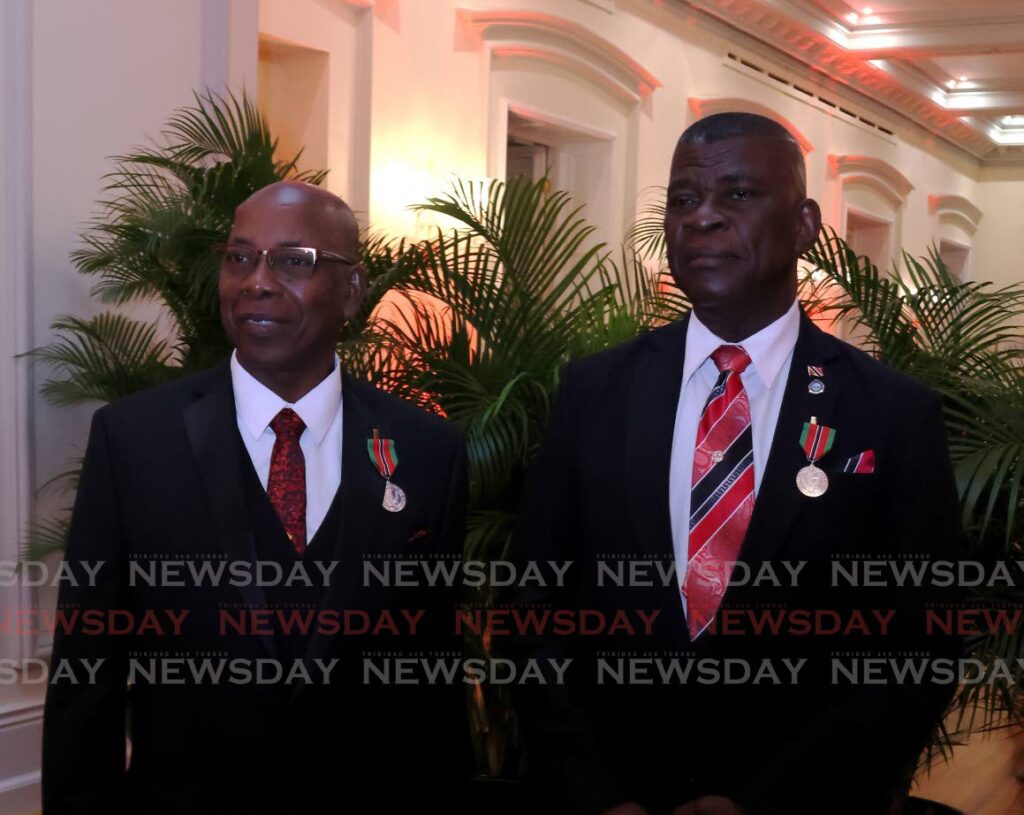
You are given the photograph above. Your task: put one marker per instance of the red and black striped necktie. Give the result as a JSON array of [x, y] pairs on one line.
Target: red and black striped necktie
[[286, 486], [722, 495]]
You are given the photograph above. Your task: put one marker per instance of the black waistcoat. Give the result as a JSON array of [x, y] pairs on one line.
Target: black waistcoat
[[272, 544]]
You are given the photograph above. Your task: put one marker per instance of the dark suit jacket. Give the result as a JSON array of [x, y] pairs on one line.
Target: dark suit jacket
[[162, 479], [599, 489]]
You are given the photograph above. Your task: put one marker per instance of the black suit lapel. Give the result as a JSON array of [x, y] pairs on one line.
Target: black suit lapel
[[778, 500], [362, 490], [653, 398], [212, 429]]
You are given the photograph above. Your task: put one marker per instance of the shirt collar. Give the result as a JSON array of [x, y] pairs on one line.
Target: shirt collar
[[768, 349], [257, 405]]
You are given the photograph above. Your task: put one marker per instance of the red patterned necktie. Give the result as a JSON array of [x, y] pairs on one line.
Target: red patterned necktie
[[722, 495], [286, 485]]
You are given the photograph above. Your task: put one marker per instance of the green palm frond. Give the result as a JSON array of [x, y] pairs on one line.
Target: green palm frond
[[104, 358], [646, 236], [961, 339], [45, 538], [489, 534]]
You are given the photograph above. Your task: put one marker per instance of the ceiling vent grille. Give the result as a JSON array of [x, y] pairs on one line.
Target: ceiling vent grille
[[808, 93]]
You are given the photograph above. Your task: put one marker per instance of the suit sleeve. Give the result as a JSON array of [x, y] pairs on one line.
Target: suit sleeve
[[860, 752], [83, 768], [566, 760]]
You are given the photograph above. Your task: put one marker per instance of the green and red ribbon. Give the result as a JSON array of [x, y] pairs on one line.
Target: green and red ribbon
[[816, 439], [383, 454]]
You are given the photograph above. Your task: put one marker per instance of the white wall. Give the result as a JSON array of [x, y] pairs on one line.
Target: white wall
[[997, 243], [428, 109], [341, 35]]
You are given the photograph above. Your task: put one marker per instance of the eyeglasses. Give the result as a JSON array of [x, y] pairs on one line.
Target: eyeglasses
[[289, 264]]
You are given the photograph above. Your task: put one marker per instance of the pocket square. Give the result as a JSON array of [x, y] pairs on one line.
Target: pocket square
[[860, 463]]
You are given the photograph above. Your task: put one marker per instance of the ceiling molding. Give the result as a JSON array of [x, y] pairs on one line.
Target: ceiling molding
[[707, 107], [994, 102], [888, 62], [917, 40], [516, 32]]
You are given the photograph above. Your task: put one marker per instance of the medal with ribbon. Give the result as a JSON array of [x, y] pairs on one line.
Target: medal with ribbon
[[816, 440], [384, 457]]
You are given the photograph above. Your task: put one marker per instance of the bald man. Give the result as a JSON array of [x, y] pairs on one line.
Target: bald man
[[232, 631]]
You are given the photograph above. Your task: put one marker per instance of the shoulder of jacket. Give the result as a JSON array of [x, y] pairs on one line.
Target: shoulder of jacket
[[408, 415], [168, 397], [609, 363]]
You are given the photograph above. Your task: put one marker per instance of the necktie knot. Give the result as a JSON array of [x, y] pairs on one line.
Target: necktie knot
[[731, 358], [288, 424]]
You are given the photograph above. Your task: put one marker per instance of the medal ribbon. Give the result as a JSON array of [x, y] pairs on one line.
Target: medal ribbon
[[382, 454], [816, 440]]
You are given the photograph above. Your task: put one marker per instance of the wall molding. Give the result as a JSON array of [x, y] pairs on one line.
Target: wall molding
[[871, 172], [21, 726], [702, 107], [555, 40], [956, 209]]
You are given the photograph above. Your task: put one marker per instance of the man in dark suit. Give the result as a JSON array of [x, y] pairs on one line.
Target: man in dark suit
[[744, 455], [244, 688]]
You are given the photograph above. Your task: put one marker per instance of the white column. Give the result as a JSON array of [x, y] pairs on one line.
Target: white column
[[16, 302], [20, 704]]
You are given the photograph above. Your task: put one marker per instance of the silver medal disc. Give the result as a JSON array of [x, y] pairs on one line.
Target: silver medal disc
[[811, 481], [394, 498]]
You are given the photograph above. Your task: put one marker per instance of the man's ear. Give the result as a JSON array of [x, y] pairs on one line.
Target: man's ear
[[808, 225], [356, 291]]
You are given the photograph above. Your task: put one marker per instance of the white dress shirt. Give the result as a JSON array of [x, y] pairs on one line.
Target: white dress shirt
[[771, 353], [256, 405]]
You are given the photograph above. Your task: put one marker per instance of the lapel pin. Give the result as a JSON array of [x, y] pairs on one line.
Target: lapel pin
[[816, 440], [384, 457], [816, 385]]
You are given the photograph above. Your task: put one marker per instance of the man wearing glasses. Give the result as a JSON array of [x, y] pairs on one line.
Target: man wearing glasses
[[233, 512]]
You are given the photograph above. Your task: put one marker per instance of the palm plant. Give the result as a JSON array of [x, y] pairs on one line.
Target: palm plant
[[485, 316], [961, 339], [164, 206]]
